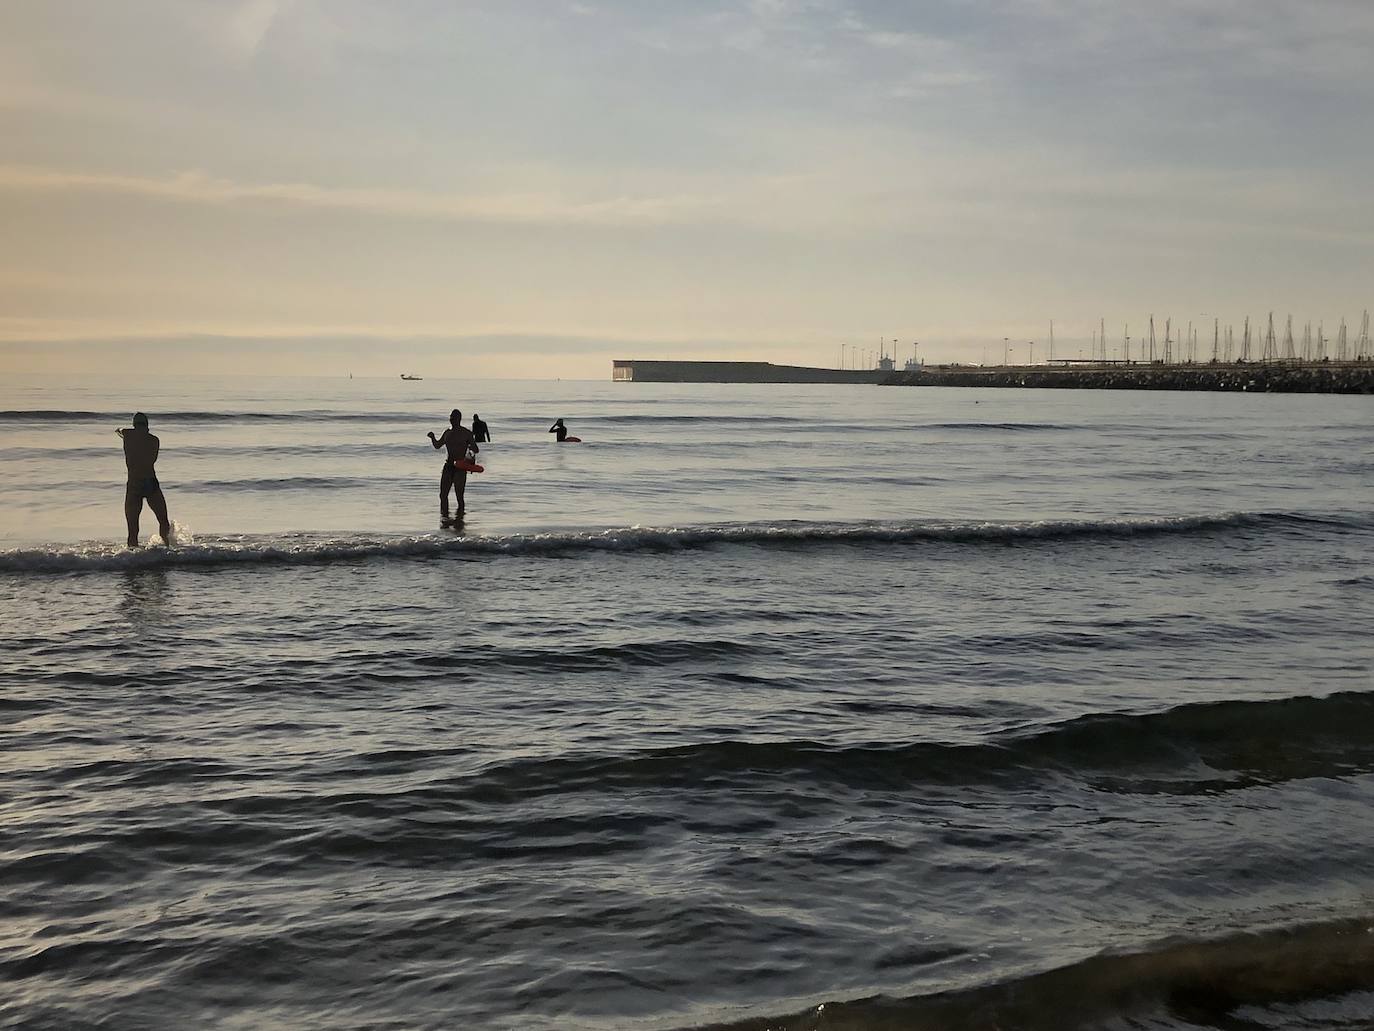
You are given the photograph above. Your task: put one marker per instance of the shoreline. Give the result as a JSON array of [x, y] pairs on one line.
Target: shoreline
[[1351, 377]]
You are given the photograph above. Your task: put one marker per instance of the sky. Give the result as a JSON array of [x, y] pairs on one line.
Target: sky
[[530, 188]]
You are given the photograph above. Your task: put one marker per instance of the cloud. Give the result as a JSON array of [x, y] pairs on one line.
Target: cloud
[[1331, 38], [251, 21], [957, 194], [534, 209], [431, 342]]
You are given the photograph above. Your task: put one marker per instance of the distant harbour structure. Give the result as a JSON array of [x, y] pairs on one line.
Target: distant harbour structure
[[1252, 356], [637, 371]]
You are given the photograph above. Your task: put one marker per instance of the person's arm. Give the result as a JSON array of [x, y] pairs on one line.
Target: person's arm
[[438, 442], [553, 428]]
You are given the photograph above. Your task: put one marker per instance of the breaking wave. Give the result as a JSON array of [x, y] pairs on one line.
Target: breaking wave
[[1316, 975], [304, 549]]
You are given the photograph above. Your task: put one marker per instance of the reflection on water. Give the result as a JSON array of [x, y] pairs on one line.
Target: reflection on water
[[146, 597]]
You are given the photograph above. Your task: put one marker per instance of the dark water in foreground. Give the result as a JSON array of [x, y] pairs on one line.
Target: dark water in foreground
[[1049, 713]]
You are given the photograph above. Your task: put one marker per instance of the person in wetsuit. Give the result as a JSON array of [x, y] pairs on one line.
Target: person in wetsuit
[[560, 430], [458, 439], [140, 456], [480, 432]]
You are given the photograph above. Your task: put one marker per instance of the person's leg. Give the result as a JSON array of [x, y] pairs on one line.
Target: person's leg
[[460, 483], [133, 505], [446, 481], [159, 506]]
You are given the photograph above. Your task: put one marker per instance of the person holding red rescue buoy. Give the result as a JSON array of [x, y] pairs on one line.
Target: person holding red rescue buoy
[[460, 442]]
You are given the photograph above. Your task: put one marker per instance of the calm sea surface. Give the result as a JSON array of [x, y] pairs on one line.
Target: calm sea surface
[[765, 707]]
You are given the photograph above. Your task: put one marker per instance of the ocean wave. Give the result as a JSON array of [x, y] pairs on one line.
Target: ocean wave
[[635, 654], [122, 418], [1202, 749], [1000, 427], [256, 451], [280, 483], [708, 420], [267, 483], [1271, 975], [1193, 749], [305, 549], [334, 414]]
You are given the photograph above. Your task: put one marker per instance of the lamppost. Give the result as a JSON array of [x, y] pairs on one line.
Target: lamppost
[[1032, 352], [1006, 350]]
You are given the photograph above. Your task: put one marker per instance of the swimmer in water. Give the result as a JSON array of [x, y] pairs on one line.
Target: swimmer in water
[[458, 439], [560, 430], [140, 456], [480, 432]]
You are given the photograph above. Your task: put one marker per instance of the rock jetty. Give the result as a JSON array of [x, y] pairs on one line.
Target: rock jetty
[[1269, 377]]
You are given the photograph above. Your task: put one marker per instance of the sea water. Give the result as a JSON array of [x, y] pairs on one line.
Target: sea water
[[764, 707]]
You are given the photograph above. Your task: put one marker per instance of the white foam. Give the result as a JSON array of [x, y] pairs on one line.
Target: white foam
[[302, 549], [181, 537]]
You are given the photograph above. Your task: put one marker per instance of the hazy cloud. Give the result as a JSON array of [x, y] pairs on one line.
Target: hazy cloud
[[199, 188], [251, 21]]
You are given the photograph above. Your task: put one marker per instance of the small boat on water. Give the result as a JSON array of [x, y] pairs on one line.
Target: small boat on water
[[416, 378]]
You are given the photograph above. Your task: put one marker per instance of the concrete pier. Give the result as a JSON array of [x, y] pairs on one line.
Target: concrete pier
[[638, 371], [1351, 377]]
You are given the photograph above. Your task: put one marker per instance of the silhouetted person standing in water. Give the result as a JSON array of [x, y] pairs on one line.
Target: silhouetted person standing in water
[[459, 441], [560, 430], [140, 455], [480, 433]]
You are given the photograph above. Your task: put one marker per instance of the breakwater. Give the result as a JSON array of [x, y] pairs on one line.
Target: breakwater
[[1269, 377], [638, 371]]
